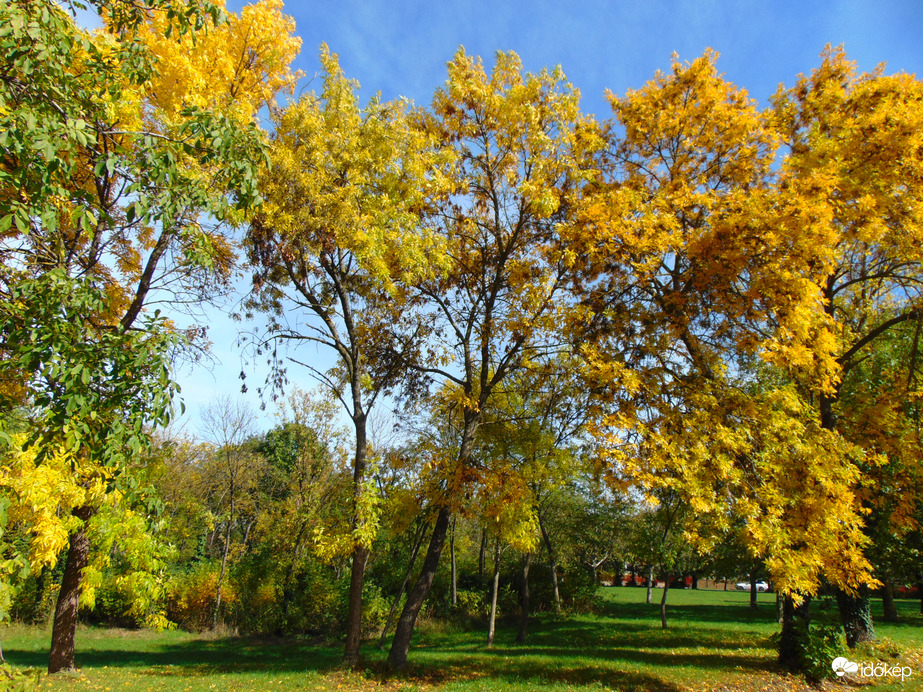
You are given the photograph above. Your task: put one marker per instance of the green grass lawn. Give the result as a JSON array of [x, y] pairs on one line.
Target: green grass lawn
[[715, 641]]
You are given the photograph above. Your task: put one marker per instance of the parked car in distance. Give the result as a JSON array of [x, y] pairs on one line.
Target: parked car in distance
[[745, 586]]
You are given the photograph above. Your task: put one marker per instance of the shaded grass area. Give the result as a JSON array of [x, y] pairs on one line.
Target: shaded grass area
[[715, 641]]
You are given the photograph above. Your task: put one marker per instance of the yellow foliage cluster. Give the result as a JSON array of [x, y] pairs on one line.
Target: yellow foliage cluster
[[42, 499], [237, 67]]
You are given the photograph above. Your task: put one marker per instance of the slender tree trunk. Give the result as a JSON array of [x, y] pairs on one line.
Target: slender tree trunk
[[360, 552], [524, 601], [725, 583], [856, 615], [64, 630], [795, 623], [887, 602], [663, 602], [418, 541], [400, 646], [481, 554], [224, 562], [454, 573], [753, 589], [650, 582], [553, 565], [493, 594], [695, 581]]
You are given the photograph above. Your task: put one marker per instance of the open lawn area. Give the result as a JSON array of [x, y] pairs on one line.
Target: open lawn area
[[715, 642]]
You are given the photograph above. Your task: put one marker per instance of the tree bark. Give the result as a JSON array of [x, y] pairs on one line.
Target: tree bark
[[795, 623], [481, 554], [663, 602], [418, 541], [650, 582], [360, 552], [856, 616], [753, 589], [400, 646], [524, 601], [454, 572], [887, 602], [64, 630], [493, 594], [553, 565]]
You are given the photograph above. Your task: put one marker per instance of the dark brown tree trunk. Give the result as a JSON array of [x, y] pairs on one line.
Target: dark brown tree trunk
[[856, 616], [400, 646], [418, 541], [495, 588], [360, 552], [64, 630], [663, 602], [795, 623], [887, 602], [524, 601], [552, 565], [753, 591], [454, 587]]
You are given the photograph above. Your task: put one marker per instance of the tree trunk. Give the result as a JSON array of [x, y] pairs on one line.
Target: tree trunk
[[887, 602], [224, 561], [553, 565], [493, 593], [64, 630], [753, 590], [400, 646], [650, 582], [360, 552], [481, 554], [795, 623], [695, 581], [663, 602], [454, 572], [725, 583], [524, 601], [418, 541], [856, 615]]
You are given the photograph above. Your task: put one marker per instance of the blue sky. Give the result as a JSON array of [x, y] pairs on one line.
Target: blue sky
[[400, 48]]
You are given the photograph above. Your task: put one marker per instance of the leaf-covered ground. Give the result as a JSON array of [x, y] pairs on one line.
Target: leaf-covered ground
[[715, 642]]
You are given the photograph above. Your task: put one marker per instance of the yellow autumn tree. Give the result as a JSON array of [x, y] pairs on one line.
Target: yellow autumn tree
[[692, 287], [106, 192], [340, 228], [850, 189]]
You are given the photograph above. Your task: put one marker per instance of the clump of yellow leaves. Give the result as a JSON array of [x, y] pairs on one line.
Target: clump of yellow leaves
[[41, 500], [237, 66]]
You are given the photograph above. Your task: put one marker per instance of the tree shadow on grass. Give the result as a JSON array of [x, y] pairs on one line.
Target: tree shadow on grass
[[197, 657]]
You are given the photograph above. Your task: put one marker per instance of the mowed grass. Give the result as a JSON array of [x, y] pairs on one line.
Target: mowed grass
[[715, 641]]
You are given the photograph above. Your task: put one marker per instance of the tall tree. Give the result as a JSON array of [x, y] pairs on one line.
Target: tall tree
[[522, 156], [851, 185], [692, 285], [343, 188], [102, 182]]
